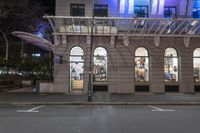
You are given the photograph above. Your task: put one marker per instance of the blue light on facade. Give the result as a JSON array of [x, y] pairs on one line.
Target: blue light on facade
[[41, 28], [196, 4], [122, 6], [131, 6], [128, 6], [154, 7], [196, 9]]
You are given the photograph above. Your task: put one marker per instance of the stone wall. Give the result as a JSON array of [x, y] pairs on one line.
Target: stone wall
[[121, 63]]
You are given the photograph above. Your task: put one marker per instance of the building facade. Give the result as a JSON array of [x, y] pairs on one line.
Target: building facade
[[156, 51]]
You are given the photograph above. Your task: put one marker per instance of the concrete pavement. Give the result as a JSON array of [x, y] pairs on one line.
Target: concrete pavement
[[101, 98]]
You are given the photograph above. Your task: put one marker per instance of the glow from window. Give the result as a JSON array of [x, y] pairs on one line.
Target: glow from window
[[35, 55], [131, 6], [154, 7], [122, 6]]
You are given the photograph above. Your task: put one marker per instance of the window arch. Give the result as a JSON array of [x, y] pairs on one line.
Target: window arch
[[171, 65], [100, 64], [196, 65], [76, 69], [141, 64]]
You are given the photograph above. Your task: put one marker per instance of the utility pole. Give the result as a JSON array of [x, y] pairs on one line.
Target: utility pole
[[91, 57]]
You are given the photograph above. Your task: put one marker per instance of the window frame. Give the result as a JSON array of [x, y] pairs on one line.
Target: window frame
[[168, 57], [95, 56], [148, 65], [168, 9], [146, 15], [195, 57], [78, 9], [101, 7]]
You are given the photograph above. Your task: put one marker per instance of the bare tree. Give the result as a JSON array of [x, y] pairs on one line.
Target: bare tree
[[21, 15]]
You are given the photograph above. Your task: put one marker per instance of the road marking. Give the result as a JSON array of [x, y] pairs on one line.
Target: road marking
[[33, 110], [159, 109]]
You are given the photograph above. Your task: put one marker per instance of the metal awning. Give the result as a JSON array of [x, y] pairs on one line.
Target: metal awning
[[34, 40], [120, 26]]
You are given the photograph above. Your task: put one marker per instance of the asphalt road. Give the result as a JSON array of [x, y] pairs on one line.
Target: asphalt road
[[99, 119]]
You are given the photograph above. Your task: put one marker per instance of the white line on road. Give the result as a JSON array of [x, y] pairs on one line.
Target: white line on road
[[33, 110], [159, 109]]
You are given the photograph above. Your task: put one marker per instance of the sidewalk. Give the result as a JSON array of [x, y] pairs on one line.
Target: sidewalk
[[100, 98]]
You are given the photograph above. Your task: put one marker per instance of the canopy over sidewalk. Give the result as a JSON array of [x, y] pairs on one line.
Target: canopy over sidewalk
[[120, 26]]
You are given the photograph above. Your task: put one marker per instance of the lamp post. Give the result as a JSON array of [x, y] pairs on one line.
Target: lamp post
[[91, 57]]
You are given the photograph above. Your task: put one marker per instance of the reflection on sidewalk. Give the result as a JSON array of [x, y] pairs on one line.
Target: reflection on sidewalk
[[23, 90]]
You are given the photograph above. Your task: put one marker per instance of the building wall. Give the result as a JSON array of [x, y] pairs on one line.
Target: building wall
[[63, 7], [121, 64], [121, 60]]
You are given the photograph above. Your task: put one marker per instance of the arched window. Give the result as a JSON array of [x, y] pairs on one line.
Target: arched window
[[100, 64], [141, 64], [196, 64], [171, 65], [76, 69]]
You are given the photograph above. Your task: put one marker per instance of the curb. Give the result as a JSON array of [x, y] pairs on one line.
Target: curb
[[99, 103]]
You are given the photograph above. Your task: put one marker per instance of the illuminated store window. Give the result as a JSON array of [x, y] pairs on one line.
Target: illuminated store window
[[141, 11], [196, 63], [196, 9], [171, 65], [76, 69], [170, 11], [141, 64], [77, 10], [100, 64]]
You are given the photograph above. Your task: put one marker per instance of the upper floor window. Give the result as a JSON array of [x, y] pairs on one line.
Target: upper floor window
[[100, 10], [77, 10], [170, 11], [196, 13], [141, 11], [196, 9]]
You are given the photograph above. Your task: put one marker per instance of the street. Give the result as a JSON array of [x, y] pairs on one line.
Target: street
[[99, 119]]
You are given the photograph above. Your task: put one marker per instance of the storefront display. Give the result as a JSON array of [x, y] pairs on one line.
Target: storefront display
[[196, 63], [100, 65], [141, 65], [76, 69], [171, 65]]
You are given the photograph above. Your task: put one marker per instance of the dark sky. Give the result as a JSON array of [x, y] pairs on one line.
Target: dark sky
[[49, 4]]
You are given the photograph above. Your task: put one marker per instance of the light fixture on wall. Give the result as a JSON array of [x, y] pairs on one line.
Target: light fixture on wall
[[168, 31], [194, 22], [142, 22]]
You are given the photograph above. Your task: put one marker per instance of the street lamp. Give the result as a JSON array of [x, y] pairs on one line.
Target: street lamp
[[91, 57]]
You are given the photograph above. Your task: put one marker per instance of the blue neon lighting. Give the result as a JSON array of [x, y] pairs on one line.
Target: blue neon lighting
[[131, 6], [161, 7], [196, 4], [122, 6], [154, 7]]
